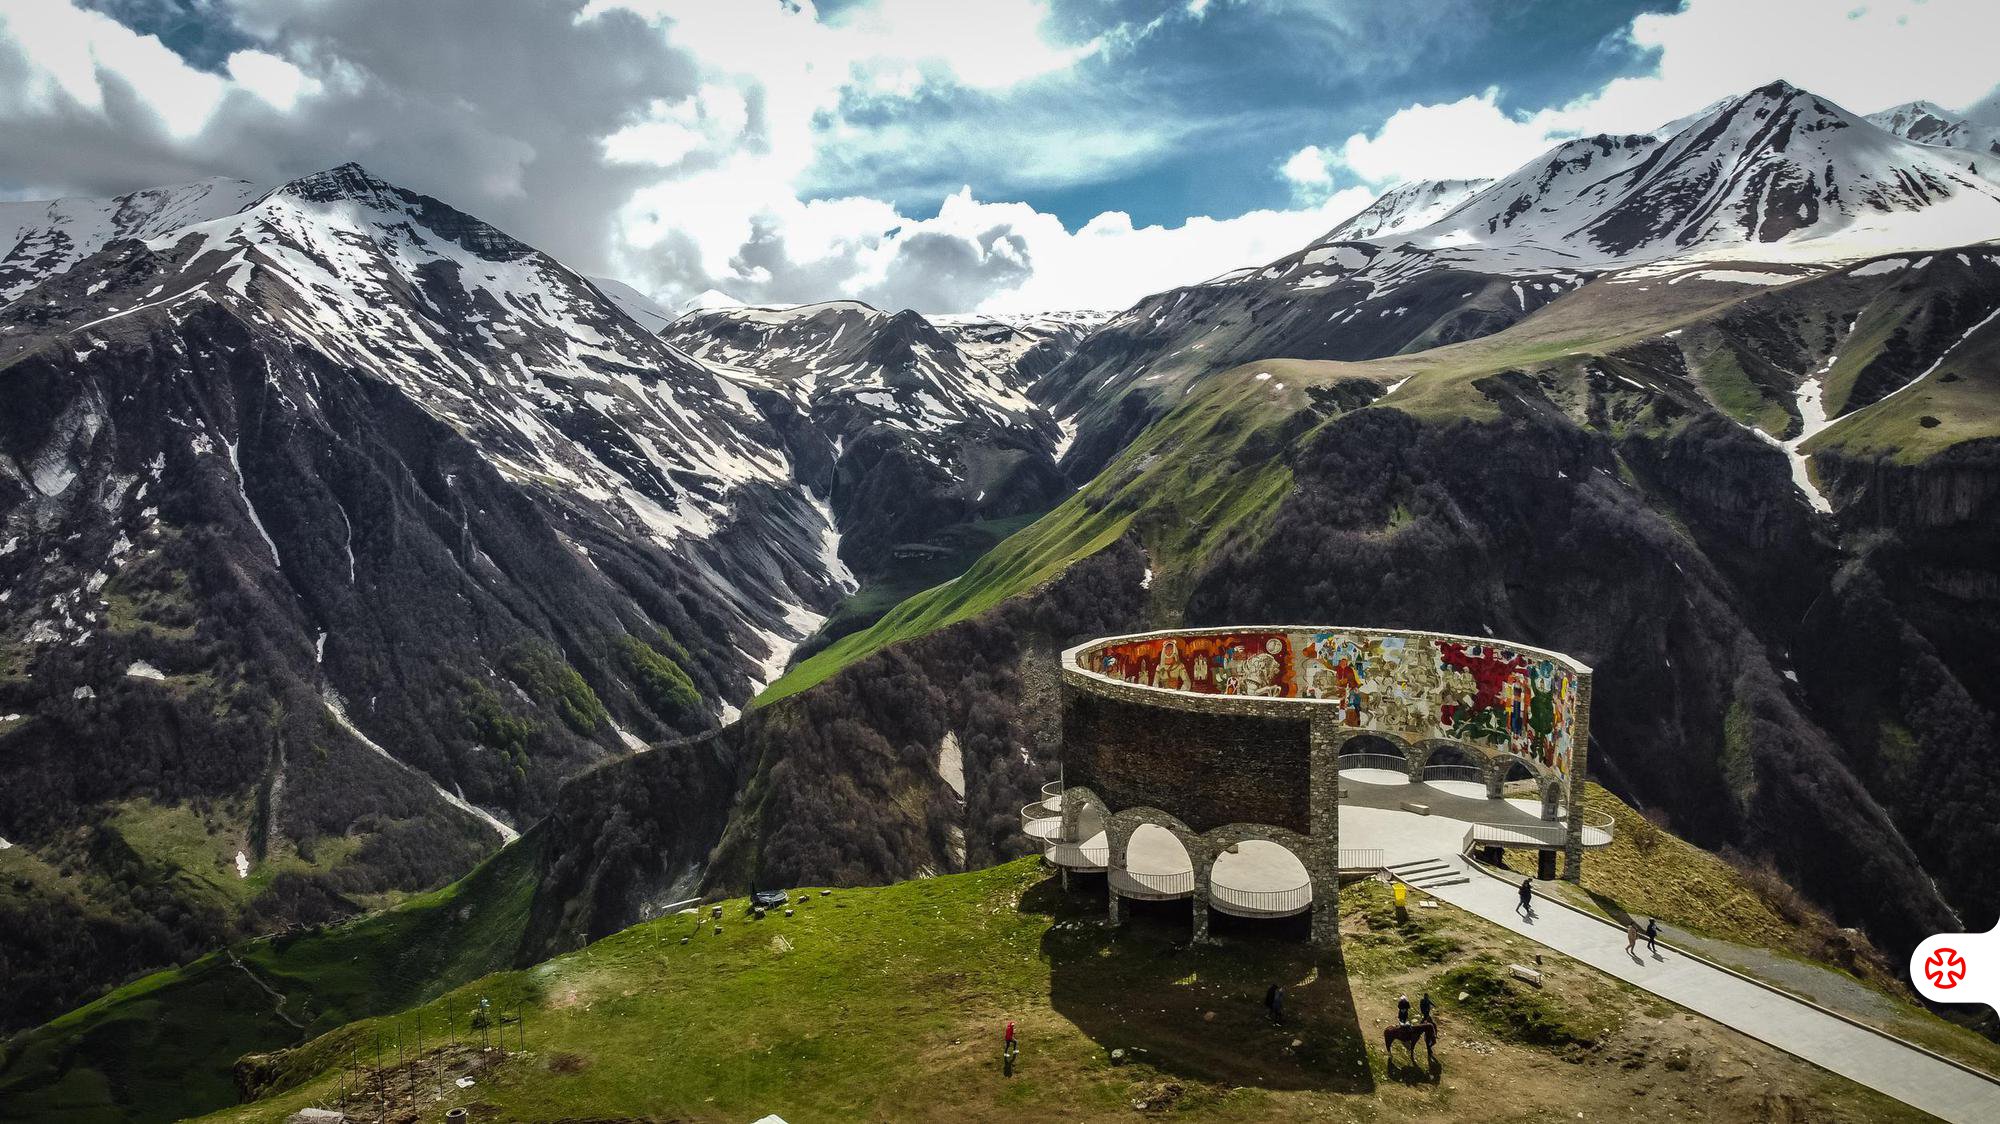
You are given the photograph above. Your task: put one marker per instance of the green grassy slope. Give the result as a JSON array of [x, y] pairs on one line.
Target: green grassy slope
[[163, 1046], [887, 1004], [1958, 401], [1214, 463], [1204, 470], [960, 546]]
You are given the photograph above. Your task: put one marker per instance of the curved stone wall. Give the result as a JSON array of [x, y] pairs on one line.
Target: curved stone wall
[[1493, 696]]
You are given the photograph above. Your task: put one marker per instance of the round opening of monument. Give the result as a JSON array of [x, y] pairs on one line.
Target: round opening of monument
[[1211, 763]]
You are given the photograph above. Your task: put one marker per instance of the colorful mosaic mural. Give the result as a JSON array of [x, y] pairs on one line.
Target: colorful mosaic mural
[[1415, 686]]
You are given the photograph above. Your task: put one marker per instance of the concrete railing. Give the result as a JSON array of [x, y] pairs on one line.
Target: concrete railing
[[1038, 822], [1598, 829], [1361, 858], [1053, 788], [1260, 903], [1177, 885], [1387, 761], [1088, 855], [1454, 773]]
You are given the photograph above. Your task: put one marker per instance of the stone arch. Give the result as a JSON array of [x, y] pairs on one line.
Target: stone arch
[[1119, 827], [1077, 800], [1506, 767], [1319, 856], [1553, 788], [1421, 752]]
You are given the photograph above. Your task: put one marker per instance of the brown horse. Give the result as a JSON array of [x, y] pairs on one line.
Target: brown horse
[[1407, 1034]]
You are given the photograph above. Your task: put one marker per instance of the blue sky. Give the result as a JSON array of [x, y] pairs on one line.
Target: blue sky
[[944, 155], [1254, 83]]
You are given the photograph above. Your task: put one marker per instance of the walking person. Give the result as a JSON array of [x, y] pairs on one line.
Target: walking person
[[1527, 906], [1426, 1009], [1632, 935], [1653, 935]]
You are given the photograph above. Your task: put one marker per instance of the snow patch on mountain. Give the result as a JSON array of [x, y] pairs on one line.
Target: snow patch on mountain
[[48, 237], [338, 711]]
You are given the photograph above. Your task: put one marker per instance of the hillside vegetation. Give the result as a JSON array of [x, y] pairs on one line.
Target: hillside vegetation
[[165, 1046], [889, 1003]]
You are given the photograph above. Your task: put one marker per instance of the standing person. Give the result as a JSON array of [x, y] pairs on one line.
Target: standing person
[[1403, 1009], [1632, 936], [1653, 935], [1426, 1008], [1527, 906]]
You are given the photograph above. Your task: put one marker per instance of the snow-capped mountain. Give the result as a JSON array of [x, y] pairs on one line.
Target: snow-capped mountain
[[916, 433], [1776, 175], [446, 499], [45, 238], [643, 310], [1018, 348], [895, 368], [1406, 207], [1928, 123]]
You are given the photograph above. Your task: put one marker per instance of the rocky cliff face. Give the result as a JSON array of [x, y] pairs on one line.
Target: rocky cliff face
[[1526, 528], [848, 783], [921, 425], [334, 532]]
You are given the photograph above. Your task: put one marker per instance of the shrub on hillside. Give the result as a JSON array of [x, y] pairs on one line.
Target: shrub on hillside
[[663, 685], [541, 672]]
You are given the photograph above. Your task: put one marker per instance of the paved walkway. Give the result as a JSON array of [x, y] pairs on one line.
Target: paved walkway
[[1882, 1064]]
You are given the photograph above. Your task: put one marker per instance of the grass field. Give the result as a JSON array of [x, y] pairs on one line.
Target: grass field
[[1211, 467], [164, 1046], [1958, 401], [888, 1004], [1182, 483]]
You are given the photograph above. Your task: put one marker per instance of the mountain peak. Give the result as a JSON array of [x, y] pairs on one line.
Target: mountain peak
[[344, 181]]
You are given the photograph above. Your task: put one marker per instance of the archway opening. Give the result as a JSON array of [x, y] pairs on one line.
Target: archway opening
[[1157, 866], [1456, 769], [1373, 759], [1088, 848], [1259, 880], [1532, 789]]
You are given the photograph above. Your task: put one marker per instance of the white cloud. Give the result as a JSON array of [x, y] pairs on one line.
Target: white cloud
[[1864, 55], [83, 56], [269, 77], [1465, 139], [755, 147], [1307, 167]]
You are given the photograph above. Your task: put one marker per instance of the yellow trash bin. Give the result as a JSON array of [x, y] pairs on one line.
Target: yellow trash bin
[[1402, 893]]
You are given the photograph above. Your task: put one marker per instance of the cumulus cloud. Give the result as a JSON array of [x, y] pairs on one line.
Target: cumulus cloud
[[783, 153], [1466, 139]]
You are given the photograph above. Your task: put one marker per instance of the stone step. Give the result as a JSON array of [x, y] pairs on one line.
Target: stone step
[[1420, 871], [1441, 882], [1416, 863]]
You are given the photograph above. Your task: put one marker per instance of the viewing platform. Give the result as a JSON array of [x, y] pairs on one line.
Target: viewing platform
[[1380, 781], [1213, 765]]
